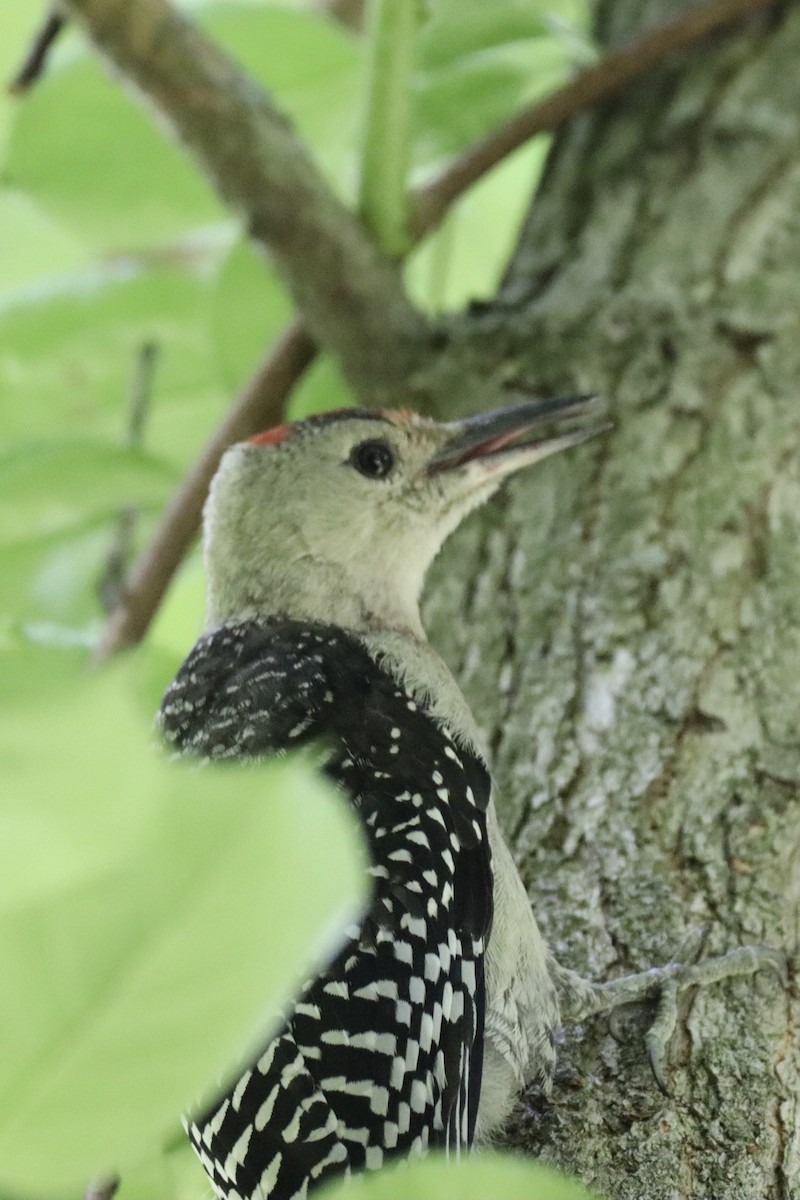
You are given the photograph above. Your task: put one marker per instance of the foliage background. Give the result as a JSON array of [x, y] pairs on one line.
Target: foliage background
[[121, 877]]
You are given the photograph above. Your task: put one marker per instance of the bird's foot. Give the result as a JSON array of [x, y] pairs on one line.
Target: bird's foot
[[581, 998]]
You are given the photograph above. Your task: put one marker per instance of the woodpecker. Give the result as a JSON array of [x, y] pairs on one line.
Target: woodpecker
[[442, 1000]]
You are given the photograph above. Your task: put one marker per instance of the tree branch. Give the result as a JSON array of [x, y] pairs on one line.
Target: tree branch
[[349, 293], [607, 79], [262, 401]]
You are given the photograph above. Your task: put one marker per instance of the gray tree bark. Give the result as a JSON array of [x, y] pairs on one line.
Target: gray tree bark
[[627, 619]]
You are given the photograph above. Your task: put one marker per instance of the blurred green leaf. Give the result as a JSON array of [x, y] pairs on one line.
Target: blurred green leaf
[[54, 577], [180, 617], [479, 63], [76, 125], [476, 1177], [31, 244], [458, 28], [250, 307], [49, 486], [138, 899], [18, 22], [465, 259], [176, 1175], [321, 388], [67, 359], [69, 354], [467, 98]]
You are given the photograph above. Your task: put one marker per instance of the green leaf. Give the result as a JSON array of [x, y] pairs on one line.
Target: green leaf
[[465, 259], [249, 308], [479, 63], [54, 578], [321, 388], [31, 244], [476, 1177], [458, 28], [77, 125], [49, 486], [150, 920], [70, 349], [183, 609], [18, 23], [176, 1175], [465, 99]]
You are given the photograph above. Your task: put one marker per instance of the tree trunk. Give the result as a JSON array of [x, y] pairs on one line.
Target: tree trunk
[[627, 620]]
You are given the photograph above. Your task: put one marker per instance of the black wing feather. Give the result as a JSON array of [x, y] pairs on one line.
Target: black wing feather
[[381, 1053]]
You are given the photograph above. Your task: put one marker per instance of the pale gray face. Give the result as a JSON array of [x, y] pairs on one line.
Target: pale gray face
[[366, 483], [346, 511], [348, 500]]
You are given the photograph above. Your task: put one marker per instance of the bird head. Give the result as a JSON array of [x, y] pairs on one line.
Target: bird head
[[337, 518]]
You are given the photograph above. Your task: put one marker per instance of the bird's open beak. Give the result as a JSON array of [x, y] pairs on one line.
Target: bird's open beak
[[500, 442]]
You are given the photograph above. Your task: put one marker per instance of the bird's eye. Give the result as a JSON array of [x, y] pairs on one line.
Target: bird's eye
[[373, 459]]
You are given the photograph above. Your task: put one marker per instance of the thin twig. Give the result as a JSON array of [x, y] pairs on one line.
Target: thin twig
[[592, 86], [35, 60], [260, 405], [110, 586], [141, 393]]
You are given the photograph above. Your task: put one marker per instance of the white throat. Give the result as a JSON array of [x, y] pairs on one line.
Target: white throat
[[323, 593]]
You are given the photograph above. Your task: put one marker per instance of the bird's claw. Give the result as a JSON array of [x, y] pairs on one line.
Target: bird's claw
[[658, 1036], [668, 982]]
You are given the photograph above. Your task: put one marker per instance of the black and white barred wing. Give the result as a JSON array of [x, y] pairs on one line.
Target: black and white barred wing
[[381, 1053]]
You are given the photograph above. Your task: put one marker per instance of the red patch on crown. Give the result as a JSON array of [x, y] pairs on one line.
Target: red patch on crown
[[271, 437]]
